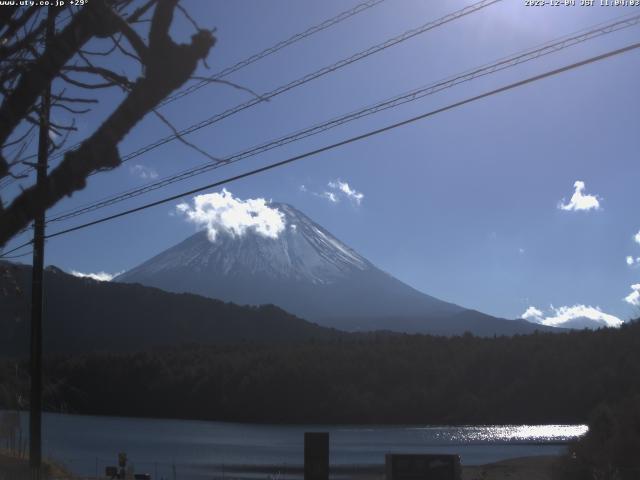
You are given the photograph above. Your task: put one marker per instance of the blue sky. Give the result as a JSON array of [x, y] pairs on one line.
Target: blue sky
[[464, 205]]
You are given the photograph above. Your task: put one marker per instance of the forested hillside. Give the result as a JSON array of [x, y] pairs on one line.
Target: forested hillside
[[539, 378], [84, 315]]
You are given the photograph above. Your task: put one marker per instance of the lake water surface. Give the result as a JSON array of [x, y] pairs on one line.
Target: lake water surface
[[199, 450]]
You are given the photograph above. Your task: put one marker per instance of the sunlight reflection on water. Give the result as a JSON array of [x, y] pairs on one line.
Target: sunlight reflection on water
[[199, 448], [496, 433], [505, 433]]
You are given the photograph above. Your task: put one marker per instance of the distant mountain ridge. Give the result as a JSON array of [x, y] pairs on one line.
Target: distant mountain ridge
[[83, 315], [310, 273]]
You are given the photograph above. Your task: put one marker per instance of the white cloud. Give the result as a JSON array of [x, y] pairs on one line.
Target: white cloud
[[521, 251], [99, 276], [580, 201], [145, 173], [332, 197], [532, 314], [577, 316], [634, 297], [636, 237], [337, 191], [222, 212], [346, 190], [632, 261]]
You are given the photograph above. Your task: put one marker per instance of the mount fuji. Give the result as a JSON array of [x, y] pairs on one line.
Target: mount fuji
[[307, 271]]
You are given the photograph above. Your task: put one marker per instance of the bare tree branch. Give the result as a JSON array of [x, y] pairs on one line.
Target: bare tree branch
[[91, 20], [62, 98], [117, 42], [28, 38], [103, 72], [134, 40], [20, 138], [231, 84], [106, 53], [168, 67], [180, 138], [135, 16], [88, 86], [188, 17], [69, 109], [14, 25]]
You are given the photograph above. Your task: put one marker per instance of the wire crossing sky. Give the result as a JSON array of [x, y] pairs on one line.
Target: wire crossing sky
[[414, 95], [242, 63], [515, 205]]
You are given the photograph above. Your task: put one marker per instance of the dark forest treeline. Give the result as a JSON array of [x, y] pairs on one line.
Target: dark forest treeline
[[539, 378], [83, 315], [609, 450]]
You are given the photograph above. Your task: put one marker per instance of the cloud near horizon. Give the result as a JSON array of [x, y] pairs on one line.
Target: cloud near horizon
[[222, 212], [634, 297], [577, 316], [579, 200], [99, 276]]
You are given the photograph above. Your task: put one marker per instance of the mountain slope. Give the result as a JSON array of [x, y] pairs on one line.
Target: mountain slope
[[309, 272], [85, 315]]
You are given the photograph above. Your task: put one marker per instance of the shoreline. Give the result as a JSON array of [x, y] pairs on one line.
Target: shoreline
[[338, 426], [523, 468], [16, 467], [539, 467]]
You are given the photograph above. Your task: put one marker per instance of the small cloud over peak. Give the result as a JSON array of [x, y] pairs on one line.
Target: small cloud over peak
[[222, 212], [346, 190], [145, 173], [99, 276], [337, 191], [579, 200], [576, 316], [634, 297], [332, 197]]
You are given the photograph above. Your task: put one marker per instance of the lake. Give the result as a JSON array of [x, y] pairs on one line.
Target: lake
[[198, 450]]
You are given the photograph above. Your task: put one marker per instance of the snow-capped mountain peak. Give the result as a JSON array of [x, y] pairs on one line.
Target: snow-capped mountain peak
[[302, 251], [282, 257]]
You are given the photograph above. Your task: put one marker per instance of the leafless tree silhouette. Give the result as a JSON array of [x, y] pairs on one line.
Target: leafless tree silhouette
[[126, 31]]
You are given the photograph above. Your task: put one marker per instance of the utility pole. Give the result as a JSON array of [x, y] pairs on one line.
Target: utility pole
[[35, 404]]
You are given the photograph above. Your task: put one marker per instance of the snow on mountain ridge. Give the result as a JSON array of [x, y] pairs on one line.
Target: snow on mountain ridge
[[303, 269], [303, 250]]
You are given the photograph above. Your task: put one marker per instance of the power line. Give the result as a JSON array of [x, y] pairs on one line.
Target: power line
[[301, 81], [8, 180], [307, 78], [361, 7], [19, 255], [275, 48], [314, 75], [15, 249], [357, 138], [507, 62]]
